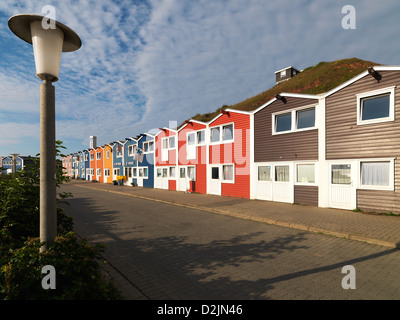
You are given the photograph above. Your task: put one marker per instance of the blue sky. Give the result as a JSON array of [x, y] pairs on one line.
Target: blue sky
[[146, 63]]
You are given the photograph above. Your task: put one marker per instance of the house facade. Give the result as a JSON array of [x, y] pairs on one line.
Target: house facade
[[118, 158], [129, 163], [192, 157], [143, 175], [230, 154], [166, 159], [286, 149], [107, 163], [362, 123]]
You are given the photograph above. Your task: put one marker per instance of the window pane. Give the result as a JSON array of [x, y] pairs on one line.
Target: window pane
[[376, 107], [191, 173], [145, 172], [264, 173], [159, 172], [227, 171], [215, 173], [145, 147], [165, 144], [165, 173], [151, 146], [284, 122], [341, 174], [306, 118], [140, 172], [172, 142], [375, 173], [201, 137], [134, 172], [214, 134], [227, 132], [172, 172], [182, 173], [191, 139], [282, 173], [306, 173]]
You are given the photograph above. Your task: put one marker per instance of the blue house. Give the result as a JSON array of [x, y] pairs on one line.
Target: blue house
[[118, 158], [84, 163], [129, 163], [22, 161], [144, 175]]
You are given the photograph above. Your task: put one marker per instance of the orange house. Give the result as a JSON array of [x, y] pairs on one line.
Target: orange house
[[99, 174], [107, 164]]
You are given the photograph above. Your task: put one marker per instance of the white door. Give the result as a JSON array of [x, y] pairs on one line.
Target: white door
[[283, 188], [215, 181], [183, 180], [140, 176], [263, 174], [342, 189]]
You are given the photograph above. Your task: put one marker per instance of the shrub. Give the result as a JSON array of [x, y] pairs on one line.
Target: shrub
[[79, 274]]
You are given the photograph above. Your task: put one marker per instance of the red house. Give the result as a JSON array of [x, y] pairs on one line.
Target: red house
[[230, 141], [166, 159], [192, 157]]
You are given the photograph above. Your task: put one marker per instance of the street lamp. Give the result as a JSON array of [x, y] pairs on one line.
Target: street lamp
[[48, 43]]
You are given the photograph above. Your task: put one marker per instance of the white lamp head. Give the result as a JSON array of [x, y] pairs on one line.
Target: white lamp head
[[47, 43]]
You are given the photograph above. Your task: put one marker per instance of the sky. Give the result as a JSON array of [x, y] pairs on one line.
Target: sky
[[149, 64]]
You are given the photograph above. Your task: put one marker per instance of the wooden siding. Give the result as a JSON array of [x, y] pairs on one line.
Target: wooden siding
[[158, 147], [347, 140], [237, 152], [306, 195], [302, 145]]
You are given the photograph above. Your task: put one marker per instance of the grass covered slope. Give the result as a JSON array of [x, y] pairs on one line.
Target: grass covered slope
[[313, 80]]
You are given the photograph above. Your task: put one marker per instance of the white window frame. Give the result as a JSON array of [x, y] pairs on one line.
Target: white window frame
[[98, 172], [390, 187], [293, 113], [191, 149], [197, 137], [171, 138], [147, 146], [106, 172], [131, 148], [371, 94], [172, 172], [306, 183], [187, 172], [221, 129], [92, 157], [222, 179], [98, 155], [86, 157]]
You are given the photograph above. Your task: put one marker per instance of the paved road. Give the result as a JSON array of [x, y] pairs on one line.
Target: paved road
[[171, 252]]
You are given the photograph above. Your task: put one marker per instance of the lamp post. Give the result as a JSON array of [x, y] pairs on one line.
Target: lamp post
[[48, 43], [14, 162]]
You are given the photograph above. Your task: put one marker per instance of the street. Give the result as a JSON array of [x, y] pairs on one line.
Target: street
[[171, 252]]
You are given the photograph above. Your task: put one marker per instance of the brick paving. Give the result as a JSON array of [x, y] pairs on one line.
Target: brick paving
[[178, 252]]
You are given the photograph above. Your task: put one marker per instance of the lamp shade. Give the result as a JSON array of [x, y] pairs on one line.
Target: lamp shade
[[47, 48], [48, 43]]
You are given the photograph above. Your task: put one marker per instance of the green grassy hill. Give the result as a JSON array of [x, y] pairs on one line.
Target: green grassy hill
[[313, 80]]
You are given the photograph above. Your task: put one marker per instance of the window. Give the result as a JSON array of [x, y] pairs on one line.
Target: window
[[106, 172], [86, 157], [98, 155], [227, 132], [134, 172], [108, 154], [130, 150], [375, 106], [264, 173], [148, 146], [165, 143], [145, 172], [375, 173], [159, 174], [227, 173], [283, 73], [341, 174], [306, 118], [201, 137], [91, 156], [282, 173], [306, 173], [191, 171], [182, 173], [140, 172], [129, 175], [191, 139], [165, 173], [215, 134], [283, 122], [214, 173], [171, 142], [172, 172]]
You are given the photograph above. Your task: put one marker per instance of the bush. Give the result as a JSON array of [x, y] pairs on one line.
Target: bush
[[79, 274]]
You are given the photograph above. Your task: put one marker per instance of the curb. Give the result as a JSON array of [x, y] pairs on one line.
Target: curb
[[262, 220]]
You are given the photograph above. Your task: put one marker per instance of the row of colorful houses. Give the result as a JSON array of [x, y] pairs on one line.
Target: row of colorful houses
[[339, 149], [7, 163]]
